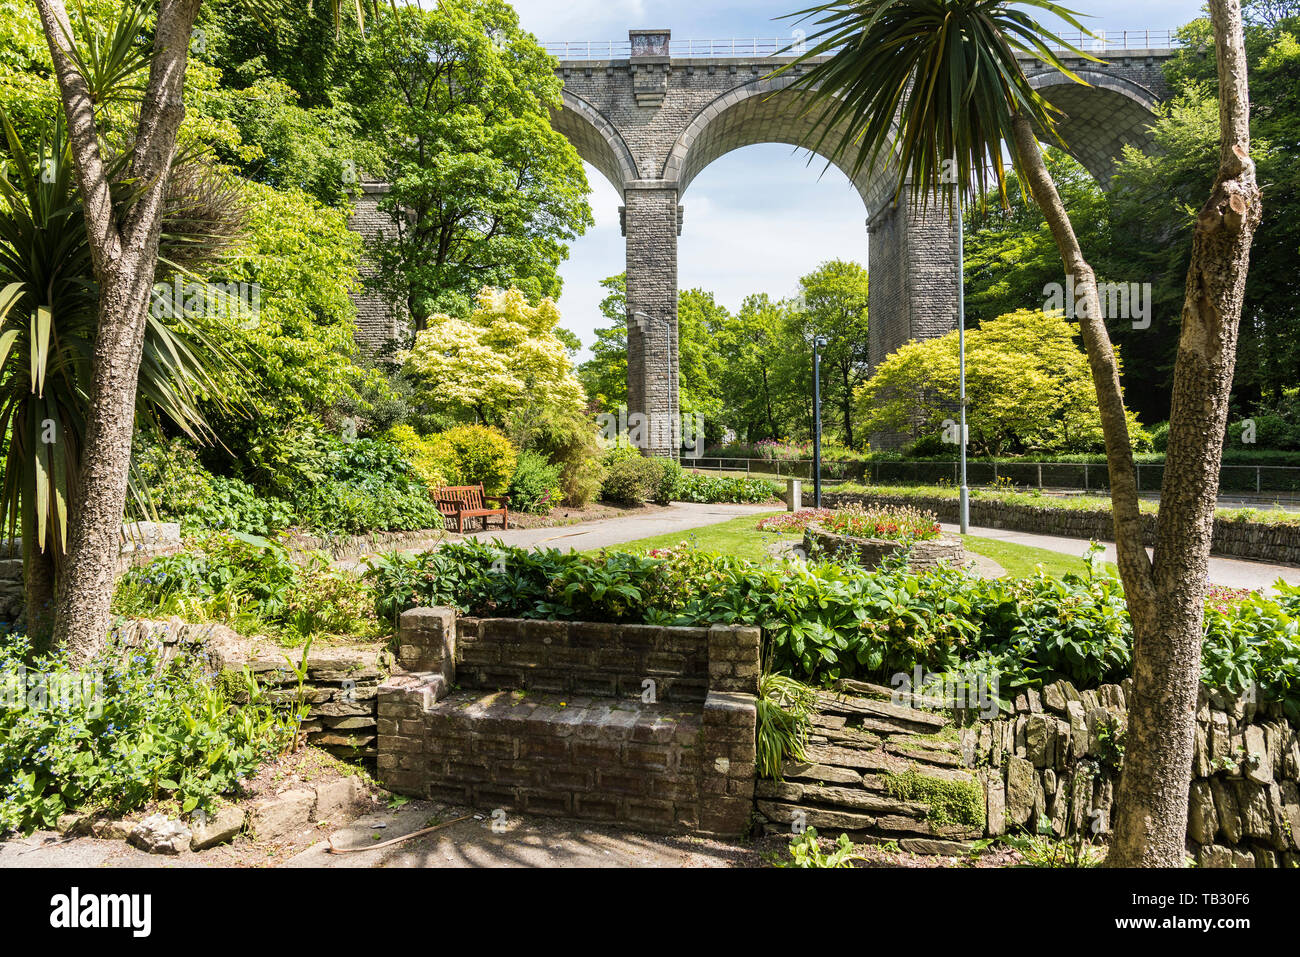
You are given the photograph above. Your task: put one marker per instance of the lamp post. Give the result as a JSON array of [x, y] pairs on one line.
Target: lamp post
[[963, 507], [818, 343]]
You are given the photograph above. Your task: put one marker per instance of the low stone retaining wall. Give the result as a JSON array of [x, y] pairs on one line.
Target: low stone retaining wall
[[1279, 544], [141, 542], [1053, 765], [345, 547], [342, 684], [627, 724], [923, 555]]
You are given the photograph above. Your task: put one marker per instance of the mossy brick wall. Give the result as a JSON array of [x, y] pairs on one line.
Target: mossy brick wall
[[636, 725], [1053, 764], [1238, 539]]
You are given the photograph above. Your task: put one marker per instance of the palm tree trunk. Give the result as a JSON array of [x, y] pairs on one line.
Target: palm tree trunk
[[1151, 804], [124, 248], [1134, 564], [38, 592]]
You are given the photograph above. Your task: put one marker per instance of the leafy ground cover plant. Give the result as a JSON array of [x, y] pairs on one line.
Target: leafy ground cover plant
[[124, 730], [254, 585], [806, 852], [829, 620], [712, 489]]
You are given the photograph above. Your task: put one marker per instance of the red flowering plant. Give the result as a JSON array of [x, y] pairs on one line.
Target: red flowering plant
[[904, 524]]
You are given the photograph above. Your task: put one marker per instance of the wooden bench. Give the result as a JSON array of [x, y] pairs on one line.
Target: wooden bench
[[459, 502]]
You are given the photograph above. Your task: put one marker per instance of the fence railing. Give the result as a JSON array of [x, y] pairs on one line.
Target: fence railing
[[1107, 41], [1243, 480]]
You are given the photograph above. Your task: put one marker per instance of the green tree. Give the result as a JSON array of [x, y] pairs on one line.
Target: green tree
[[502, 353], [970, 104], [604, 375], [483, 191], [698, 319], [48, 307], [834, 300], [750, 345], [1029, 388]]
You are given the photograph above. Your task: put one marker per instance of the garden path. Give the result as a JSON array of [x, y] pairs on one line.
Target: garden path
[[1228, 572]]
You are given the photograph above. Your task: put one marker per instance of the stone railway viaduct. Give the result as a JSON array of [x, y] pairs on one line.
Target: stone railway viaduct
[[650, 121]]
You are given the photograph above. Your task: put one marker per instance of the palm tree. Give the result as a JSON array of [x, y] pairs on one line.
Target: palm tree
[[48, 315], [928, 87], [124, 233]]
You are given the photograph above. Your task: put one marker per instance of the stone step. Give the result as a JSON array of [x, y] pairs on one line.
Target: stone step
[[800, 771], [926, 755], [856, 758], [849, 739], [904, 718], [827, 720], [866, 689], [832, 820], [854, 799]]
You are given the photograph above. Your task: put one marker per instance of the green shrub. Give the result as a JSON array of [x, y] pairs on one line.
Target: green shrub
[[236, 506], [169, 480], [1160, 437], [131, 730], [630, 477], [535, 486], [256, 587], [823, 621], [476, 454], [711, 489], [422, 452], [567, 439]]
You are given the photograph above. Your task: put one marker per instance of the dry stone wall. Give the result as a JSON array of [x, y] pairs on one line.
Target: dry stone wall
[[1052, 766], [1253, 540]]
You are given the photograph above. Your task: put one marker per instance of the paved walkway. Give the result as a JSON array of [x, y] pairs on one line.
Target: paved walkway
[[1230, 572], [678, 517]]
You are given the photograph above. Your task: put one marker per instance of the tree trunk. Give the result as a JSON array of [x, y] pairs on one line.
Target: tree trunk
[[39, 578], [124, 247], [1151, 805], [1134, 564]]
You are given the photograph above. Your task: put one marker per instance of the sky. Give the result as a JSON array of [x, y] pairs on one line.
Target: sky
[[760, 217]]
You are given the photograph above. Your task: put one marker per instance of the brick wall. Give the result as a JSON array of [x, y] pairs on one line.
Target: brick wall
[[637, 725]]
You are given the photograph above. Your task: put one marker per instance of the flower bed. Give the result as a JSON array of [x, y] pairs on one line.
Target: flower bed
[[922, 553]]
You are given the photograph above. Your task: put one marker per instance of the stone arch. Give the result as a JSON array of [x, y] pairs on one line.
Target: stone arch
[[1100, 119], [762, 111], [595, 138]]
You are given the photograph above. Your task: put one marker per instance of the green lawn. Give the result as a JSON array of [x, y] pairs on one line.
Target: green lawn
[[739, 537]]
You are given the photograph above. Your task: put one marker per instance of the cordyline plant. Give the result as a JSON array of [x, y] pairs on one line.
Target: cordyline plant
[[929, 87], [123, 230], [48, 311]]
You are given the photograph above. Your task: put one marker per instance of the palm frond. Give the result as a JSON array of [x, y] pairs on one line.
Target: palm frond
[[925, 91], [49, 317]]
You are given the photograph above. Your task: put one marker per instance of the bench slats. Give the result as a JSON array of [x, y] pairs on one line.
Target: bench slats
[[459, 502]]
